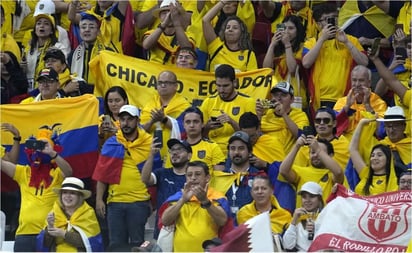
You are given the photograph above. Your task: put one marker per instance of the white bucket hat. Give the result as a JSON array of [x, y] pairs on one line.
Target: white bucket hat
[[73, 184]]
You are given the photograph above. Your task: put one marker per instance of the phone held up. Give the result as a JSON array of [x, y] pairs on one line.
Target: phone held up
[[35, 144], [280, 27], [331, 21], [308, 130]]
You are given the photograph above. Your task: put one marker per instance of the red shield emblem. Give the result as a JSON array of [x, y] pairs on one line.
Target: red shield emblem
[[384, 222]]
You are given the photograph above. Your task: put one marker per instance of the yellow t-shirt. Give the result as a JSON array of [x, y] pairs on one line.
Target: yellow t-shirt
[[341, 152], [212, 106], [36, 203], [195, 225], [279, 218], [329, 75], [276, 126], [174, 109], [165, 50], [322, 176], [379, 184], [206, 151], [244, 60]]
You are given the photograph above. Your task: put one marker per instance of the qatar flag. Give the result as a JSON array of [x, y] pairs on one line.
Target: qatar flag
[[255, 235]]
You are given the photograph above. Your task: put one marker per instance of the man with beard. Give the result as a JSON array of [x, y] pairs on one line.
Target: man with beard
[[323, 169], [221, 112], [235, 181], [118, 171], [168, 181]]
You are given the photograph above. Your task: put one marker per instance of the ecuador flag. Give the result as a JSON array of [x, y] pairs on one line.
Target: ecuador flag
[[78, 117]]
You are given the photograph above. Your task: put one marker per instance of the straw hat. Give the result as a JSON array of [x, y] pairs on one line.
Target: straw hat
[[73, 184]]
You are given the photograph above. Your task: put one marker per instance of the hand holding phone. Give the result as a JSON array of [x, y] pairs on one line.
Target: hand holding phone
[[308, 130], [280, 27], [215, 122]]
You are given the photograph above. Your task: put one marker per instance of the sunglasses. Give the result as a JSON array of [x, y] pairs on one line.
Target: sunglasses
[[324, 120]]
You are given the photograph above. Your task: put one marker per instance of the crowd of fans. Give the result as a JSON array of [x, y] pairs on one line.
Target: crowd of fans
[[338, 113]]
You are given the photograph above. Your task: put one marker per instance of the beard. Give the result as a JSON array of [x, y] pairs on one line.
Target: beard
[[179, 164], [238, 160]]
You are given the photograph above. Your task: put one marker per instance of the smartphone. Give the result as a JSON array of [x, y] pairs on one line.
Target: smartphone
[[214, 119], [35, 144], [280, 27], [375, 46], [308, 130], [331, 21], [158, 133], [398, 26], [106, 119], [400, 53]]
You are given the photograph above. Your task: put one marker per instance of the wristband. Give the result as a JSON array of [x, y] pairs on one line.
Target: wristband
[[18, 138], [165, 119], [207, 205], [54, 157], [161, 27]]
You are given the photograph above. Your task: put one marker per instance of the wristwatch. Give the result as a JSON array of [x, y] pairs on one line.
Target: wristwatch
[[206, 205]]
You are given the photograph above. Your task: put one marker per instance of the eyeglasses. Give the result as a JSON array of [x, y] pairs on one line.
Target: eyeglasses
[[405, 182], [178, 150], [323, 120], [165, 83]]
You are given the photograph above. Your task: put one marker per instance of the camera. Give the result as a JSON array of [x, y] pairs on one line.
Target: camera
[[280, 27], [35, 144], [308, 130], [331, 21], [267, 104]]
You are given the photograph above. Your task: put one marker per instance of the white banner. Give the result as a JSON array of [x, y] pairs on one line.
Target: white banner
[[349, 222]]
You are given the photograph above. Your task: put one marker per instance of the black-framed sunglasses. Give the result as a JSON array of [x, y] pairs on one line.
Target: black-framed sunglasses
[[324, 120]]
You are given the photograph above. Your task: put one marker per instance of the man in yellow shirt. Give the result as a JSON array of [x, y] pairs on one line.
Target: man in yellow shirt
[[118, 171], [221, 112], [197, 211], [323, 169]]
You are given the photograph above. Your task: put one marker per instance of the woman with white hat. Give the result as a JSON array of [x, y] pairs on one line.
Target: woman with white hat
[[72, 224], [299, 234]]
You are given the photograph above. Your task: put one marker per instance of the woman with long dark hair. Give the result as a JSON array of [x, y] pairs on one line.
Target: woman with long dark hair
[[377, 176], [114, 99], [284, 54], [233, 45], [43, 37]]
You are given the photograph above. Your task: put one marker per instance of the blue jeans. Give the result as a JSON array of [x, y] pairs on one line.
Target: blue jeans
[[126, 223], [25, 243]]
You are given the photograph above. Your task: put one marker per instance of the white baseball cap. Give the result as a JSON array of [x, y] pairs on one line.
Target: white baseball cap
[[130, 109], [312, 188]]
